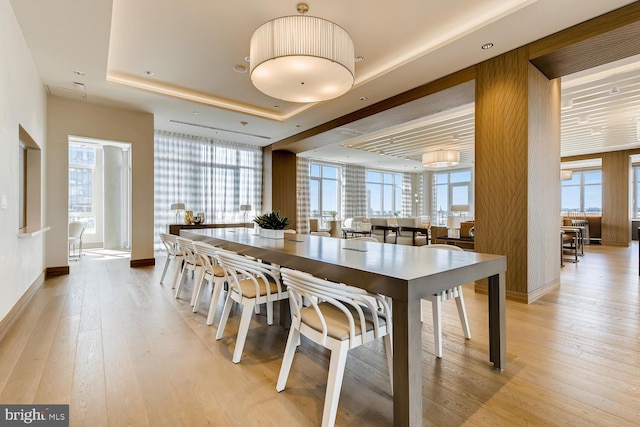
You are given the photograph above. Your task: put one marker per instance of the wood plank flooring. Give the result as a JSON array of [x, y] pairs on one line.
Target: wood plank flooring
[[115, 344]]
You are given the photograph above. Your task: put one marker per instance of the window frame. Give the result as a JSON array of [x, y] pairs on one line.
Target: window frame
[[582, 186], [440, 217], [396, 192], [90, 216], [320, 179]]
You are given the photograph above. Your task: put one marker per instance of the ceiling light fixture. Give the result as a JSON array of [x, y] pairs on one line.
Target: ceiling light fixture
[[614, 90], [149, 73], [487, 46], [441, 158], [302, 58], [239, 68], [566, 104], [78, 73], [566, 174]]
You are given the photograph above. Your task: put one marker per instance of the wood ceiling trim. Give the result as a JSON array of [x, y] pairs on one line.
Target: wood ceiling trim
[[435, 86], [586, 30], [597, 155]]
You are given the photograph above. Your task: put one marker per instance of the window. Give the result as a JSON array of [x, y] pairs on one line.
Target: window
[[583, 192], [636, 191], [82, 162], [325, 189], [384, 193], [450, 188]]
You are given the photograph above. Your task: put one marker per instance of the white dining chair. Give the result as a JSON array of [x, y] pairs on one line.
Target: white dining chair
[[320, 233], [251, 282], [439, 298], [191, 263], [214, 274], [76, 231], [339, 318], [173, 254]]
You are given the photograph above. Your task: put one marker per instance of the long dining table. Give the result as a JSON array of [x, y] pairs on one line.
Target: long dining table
[[404, 273]]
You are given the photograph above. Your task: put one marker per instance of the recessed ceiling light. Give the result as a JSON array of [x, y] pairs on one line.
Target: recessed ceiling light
[[583, 119], [78, 85], [276, 106], [363, 98], [244, 123], [195, 113], [247, 58], [149, 73], [239, 68], [614, 90], [358, 59], [298, 126], [78, 73], [487, 46]]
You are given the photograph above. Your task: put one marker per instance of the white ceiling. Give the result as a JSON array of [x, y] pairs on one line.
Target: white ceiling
[[192, 46]]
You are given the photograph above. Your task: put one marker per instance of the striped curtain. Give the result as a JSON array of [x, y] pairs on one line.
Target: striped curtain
[[354, 191], [407, 195], [302, 189], [207, 175]]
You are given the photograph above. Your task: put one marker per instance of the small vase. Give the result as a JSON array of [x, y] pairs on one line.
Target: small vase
[[188, 217], [272, 234]]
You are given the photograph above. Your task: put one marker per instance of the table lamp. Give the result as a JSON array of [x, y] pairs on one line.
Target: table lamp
[[245, 209], [177, 207]]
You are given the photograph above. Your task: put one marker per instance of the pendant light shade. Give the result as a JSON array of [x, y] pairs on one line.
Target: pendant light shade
[[441, 158], [302, 59]]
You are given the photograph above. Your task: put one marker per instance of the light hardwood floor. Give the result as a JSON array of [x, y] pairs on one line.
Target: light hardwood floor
[[116, 345]]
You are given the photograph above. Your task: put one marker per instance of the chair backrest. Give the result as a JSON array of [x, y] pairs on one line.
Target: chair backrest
[[313, 224], [239, 267], [320, 233], [365, 226], [185, 246], [407, 222], [207, 254], [348, 299], [379, 222], [360, 219], [170, 243], [366, 239], [442, 246], [76, 228], [348, 223]]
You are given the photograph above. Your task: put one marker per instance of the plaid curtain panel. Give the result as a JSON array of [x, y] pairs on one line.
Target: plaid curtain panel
[[302, 189], [407, 195], [354, 191], [207, 175]]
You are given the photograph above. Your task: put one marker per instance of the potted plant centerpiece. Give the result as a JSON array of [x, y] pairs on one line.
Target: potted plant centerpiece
[[272, 225]]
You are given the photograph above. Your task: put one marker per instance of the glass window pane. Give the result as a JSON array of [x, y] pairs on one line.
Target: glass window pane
[[387, 200], [329, 172], [571, 198], [442, 178], [398, 179], [460, 195], [388, 178], [593, 177], [374, 176], [462, 176], [314, 170], [329, 196], [593, 198], [575, 179], [374, 198], [314, 198]]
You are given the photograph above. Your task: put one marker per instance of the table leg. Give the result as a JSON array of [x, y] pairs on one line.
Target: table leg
[[407, 364], [497, 321]]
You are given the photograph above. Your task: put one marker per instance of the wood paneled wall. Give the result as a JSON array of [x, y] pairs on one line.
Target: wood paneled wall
[[501, 162], [283, 177], [517, 188], [616, 222]]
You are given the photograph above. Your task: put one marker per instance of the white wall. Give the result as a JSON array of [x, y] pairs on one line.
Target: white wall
[[22, 103], [70, 117]]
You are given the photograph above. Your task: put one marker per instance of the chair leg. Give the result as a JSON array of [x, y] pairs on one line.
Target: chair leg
[[198, 293], [218, 284], [287, 358], [225, 316], [334, 384], [269, 313], [177, 270], [257, 308], [437, 326], [462, 312], [197, 284], [181, 280], [166, 266], [243, 329], [388, 348]]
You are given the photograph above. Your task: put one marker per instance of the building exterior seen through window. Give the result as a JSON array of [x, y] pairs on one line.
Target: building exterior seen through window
[[449, 188], [384, 193], [583, 192], [325, 190], [82, 161]]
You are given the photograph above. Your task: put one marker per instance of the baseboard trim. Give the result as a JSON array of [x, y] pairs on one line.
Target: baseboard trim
[[14, 313], [522, 297], [57, 271], [134, 263]]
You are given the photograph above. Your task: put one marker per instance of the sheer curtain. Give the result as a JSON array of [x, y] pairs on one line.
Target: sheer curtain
[[354, 193], [207, 175], [302, 191], [407, 196]]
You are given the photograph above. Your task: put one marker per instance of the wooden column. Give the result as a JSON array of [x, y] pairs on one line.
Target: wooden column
[[517, 172], [283, 184], [616, 222]]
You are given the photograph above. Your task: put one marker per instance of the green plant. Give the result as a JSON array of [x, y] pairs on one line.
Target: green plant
[[396, 214], [271, 221], [333, 214]]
